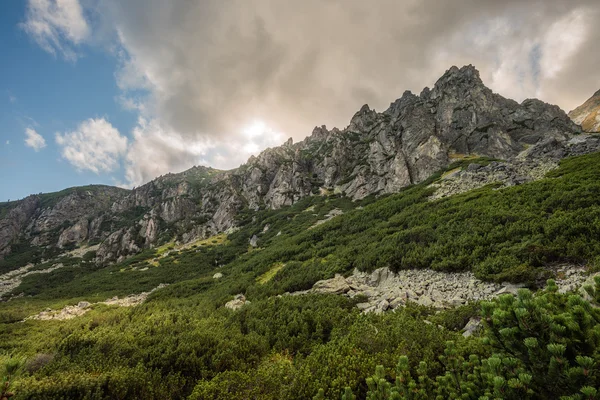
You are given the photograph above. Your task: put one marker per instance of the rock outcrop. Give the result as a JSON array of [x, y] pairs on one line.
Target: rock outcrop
[[530, 165], [588, 114], [384, 290]]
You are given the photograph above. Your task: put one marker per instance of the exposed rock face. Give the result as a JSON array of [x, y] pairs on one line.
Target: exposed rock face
[[57, 219], [118, 245], [15, 221], [376, 153], [588, 114], [74, 234]]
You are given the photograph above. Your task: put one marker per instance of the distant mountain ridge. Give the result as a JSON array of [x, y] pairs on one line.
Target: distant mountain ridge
[[376, 153]]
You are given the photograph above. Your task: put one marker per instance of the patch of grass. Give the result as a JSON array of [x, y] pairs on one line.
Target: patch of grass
[[267, 276]]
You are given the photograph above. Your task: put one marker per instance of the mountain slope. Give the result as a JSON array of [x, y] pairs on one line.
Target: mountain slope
[[588, 114], [183, 343], [377, 153]]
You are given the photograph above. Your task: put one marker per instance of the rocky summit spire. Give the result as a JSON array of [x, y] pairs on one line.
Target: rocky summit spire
[[467, 75]]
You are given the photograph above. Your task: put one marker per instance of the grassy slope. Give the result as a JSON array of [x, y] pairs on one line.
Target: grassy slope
[[183, 335]]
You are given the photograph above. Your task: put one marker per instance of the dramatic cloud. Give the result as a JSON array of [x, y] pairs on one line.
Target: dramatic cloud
[[33, 139], [56, 25], [95, 146], [156, 151], [202, 72], [210, 66]]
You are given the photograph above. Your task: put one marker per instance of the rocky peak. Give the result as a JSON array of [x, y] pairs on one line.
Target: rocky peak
[[403, 103], [363, 120], [318, 133], [455, 78]]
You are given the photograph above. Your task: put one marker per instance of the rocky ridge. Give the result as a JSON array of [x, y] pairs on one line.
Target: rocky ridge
[[376, 153], [521, 169]]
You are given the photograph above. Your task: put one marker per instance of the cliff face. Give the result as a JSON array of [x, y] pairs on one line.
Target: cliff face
[[376, 153], [588, 114], [58, 220]]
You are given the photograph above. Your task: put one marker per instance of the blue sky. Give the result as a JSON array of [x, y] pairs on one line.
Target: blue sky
[[120, 92], [49, 94]]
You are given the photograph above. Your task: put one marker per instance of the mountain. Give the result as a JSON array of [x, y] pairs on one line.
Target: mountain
[[588, 114], [450, 245], [376, 154]]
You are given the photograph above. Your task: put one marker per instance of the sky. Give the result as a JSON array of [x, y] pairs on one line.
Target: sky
[[119, 92]]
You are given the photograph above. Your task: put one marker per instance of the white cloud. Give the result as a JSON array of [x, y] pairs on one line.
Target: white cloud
[[197, 73], [34, 139], [157, 150], [57, 26], [209, 66], [12, 98], [95, 146], [8, 142]]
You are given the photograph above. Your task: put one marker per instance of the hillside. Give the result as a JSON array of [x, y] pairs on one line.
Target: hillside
[[182, 340], [448, 247]]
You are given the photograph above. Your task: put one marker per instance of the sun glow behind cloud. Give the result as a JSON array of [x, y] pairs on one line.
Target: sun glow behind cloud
[[258, 135]]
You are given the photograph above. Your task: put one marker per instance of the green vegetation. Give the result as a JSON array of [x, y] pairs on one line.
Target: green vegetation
[[183, 344], [541, 346]]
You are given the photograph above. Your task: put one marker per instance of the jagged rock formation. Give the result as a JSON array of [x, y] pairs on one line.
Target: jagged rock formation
[[376, 153], [588, 114]]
